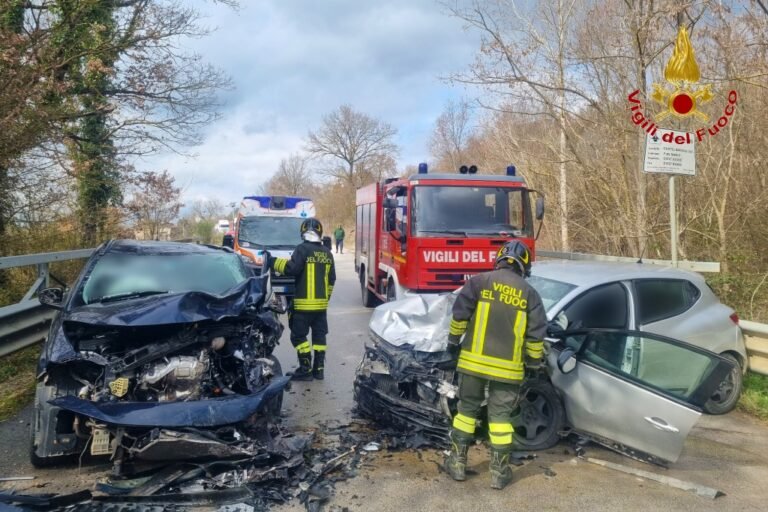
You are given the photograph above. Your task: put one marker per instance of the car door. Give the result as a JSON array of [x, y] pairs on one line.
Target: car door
[[635, 392]]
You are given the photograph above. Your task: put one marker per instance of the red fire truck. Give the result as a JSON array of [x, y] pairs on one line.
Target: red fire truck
[[430, 232]]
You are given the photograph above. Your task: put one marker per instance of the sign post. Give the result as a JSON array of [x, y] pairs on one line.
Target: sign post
[[671, 152]]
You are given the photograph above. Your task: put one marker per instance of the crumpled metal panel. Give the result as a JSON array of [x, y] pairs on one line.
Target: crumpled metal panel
[[421, 321], [194, 413], [187, 307]]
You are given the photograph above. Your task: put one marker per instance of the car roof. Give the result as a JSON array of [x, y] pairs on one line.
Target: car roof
[[153, 247], [592, 273]]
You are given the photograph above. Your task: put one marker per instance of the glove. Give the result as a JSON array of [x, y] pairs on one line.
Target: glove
[[268, 258]]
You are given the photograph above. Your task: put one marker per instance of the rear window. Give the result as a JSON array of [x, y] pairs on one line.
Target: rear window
[[659, 299]]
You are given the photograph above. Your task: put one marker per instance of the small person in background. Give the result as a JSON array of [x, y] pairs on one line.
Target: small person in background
[[338, 234]]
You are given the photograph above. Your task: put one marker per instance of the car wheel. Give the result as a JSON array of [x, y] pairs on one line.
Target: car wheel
[[727, 395], [275, 405], [538, 418], [369, 299]]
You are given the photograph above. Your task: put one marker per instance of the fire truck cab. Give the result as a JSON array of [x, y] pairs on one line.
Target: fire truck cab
[[271, 223], [429, 233]]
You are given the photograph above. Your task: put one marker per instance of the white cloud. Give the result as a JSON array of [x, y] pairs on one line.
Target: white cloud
[[293, 61]]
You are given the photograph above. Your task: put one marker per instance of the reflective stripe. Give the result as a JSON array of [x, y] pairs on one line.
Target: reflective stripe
[[310, 281], [310, 304], [330, 291], [457, 327], [303, 348], [483, 370], [481, 322], [534, 349], [464, 423], [320, 348], [280, 264], [325, 281], [521, 321], [500, 439], [493, 362], [501, 428]]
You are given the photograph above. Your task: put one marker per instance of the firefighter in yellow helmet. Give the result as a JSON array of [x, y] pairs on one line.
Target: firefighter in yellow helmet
[[312, 265], [503, 323]]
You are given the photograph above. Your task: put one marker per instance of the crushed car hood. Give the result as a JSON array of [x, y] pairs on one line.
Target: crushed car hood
[[198, 413], [159, 310], [174, 308], [420, 322]]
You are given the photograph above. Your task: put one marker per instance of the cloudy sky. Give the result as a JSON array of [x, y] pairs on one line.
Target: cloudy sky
[[294, 60]]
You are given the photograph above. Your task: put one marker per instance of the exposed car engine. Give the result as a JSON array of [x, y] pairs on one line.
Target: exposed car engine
[[167, 363]]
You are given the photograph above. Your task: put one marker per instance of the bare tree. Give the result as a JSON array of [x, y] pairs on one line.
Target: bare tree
[[351, 137], [292, 178], [451, 134], [155, 203]]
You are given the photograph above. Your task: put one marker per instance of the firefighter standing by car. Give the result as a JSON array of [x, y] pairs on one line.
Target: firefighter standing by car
[[312, 265], [505, 324]]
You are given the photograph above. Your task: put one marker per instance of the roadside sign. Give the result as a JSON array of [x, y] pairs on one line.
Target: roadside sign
[[670, 152]]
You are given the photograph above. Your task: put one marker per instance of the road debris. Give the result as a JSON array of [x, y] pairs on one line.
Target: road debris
[[699, 490], [15, 478]]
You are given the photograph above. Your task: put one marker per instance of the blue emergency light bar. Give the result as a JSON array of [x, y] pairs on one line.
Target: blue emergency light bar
[[288, 202], [423, 168], [511, 171]]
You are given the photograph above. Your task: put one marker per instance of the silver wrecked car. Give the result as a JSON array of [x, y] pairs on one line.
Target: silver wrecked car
[[662, 300], [637, 392]]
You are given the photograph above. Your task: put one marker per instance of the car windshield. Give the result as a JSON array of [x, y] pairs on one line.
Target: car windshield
[[269, 232], [471, 211], [126, 276], [551, 291]]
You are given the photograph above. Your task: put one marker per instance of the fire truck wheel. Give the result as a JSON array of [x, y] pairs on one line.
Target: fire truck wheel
[[391, 291], [369, 299]]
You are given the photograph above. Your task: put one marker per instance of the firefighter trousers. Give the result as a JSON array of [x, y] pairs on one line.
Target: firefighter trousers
[[300, 323], [502, 400]]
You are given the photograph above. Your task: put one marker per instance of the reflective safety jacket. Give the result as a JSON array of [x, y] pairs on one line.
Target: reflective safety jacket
[[312, 265], [504, 321]]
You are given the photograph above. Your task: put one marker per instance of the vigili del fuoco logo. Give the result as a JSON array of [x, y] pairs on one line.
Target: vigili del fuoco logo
[[684, 97]]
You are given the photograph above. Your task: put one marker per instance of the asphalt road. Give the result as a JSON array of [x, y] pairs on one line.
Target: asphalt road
[[729, 453]]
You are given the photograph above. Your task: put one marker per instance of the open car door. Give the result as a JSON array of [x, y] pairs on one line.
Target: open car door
[[634, 392]]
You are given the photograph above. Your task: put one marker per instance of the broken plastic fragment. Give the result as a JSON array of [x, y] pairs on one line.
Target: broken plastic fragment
[[372, 447]]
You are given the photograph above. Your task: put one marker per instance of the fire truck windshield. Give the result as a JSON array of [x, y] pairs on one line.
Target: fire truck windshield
[[269, 232], [471, 211]]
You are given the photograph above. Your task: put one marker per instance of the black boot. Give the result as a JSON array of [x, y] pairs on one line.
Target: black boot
[[318, 366], [501, 473], [304, 371], [456, 462]]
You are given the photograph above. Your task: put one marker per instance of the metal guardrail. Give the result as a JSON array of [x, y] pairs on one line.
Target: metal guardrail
[[695, 266], [26, 323], [756, 338]]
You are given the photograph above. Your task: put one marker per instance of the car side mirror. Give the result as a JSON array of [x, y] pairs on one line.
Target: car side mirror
[[566, 361], [228, 241], [539, 208], [51, 297]]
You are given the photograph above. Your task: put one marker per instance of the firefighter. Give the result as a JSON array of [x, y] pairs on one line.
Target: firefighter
[[505, 324], [312, 265]]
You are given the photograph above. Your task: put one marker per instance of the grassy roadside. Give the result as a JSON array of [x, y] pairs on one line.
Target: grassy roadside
[[17, 380], [754, 397]]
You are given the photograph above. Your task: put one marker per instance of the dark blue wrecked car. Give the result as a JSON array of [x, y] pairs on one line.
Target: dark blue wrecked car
[[161, 350]]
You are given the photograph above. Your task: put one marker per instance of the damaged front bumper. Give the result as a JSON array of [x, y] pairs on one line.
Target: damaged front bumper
[[213, 412], [407, 390]]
